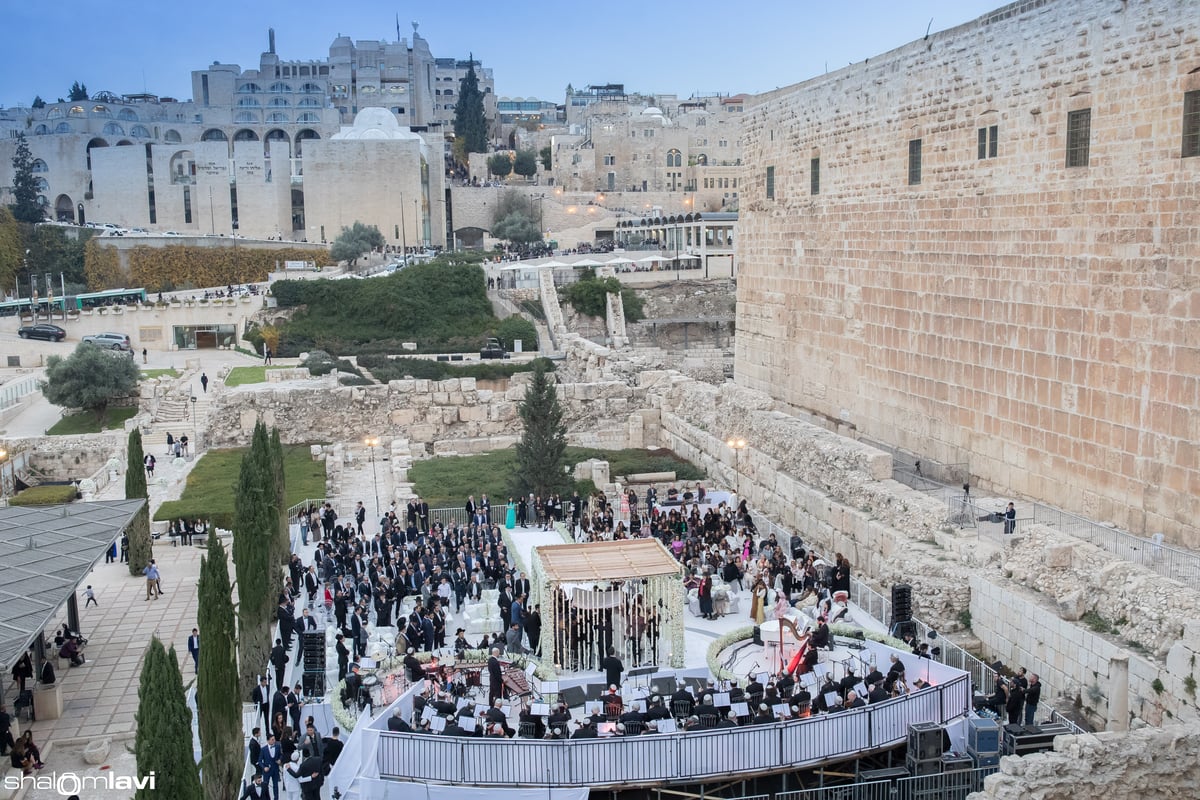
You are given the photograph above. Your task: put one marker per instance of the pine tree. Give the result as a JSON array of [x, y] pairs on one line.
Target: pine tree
[[218, 699], [141, 545], [24, 185], [470, 121], [254, 545], [163, 745], [541, 451]]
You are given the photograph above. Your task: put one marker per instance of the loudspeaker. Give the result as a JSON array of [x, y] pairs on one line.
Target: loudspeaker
[[314, 684], [901, 602], [917, 767], [925, 741], [758, 636], [573, 696]]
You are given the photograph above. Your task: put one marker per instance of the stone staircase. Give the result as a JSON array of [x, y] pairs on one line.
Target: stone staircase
[[175, 411]]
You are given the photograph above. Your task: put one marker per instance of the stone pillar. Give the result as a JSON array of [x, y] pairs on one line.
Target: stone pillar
[[1118, 692]]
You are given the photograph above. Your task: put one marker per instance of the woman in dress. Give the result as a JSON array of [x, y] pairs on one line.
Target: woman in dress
[[758, 601], [510, 515]]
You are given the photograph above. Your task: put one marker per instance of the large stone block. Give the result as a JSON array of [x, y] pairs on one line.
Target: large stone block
[[1058, 556]]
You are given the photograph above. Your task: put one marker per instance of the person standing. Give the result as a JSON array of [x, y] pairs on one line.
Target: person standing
[[270, 760], [266, 353], [612, 667], [1010, 519], [204, 382], [90, 594], [194, 649], [170, 444], [360, 516], [144, 355], [23, 670], [279, 660], [110, 555], [1033, 696], [151, 573], [495, 677]]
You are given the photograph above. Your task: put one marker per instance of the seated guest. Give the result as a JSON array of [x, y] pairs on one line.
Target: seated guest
[[396, 722], [853, 700], [586, 730], [31, 749], [656, 710], [730, 720], [70, 651], [821, 639]]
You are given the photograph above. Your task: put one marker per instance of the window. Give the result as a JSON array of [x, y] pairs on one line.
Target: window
[[674, 158], [610, 160], [914, 162], [187, 205], [1191, 124], [1079, 134], [987, 142], [40, 166], [770, 183], [814, 176]]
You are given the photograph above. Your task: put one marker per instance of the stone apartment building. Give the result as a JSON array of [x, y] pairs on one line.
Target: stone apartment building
[[982, 247]]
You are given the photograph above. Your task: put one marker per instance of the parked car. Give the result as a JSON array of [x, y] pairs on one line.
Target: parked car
[[51, 333], [110, 341], [493, 349]]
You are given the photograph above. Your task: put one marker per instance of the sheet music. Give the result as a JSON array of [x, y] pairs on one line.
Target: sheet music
[[666, 726], [539, 709], [721, 699], [763, 677], [831, 699], [467, 724], [462, 702], [861, 690], [438, 724], [780, 710], [427, 713], [529, 669], [741, 709], [549, 687], [639, 706]]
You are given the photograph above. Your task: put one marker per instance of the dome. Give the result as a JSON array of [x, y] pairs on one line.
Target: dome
[[652, 111], [376, 123]]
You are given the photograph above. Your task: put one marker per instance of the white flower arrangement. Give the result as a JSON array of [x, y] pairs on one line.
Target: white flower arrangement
[[345, 718]]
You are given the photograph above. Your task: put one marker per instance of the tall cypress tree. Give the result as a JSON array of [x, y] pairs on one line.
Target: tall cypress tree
[[24, 185], [141, 545], [218, 700], [470, 121], [163, 745], [542, 449], [254, 544], [284, 539]]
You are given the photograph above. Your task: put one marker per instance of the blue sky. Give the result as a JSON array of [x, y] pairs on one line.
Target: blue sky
[[535, 47]]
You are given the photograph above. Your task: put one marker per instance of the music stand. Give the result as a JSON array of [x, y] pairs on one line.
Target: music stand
[[664, 687], [641, 672], [573, 696]]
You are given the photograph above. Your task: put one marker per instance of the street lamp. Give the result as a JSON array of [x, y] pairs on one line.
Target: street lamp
[[738, 445], [3, 485], [372, 442], [194, 434]]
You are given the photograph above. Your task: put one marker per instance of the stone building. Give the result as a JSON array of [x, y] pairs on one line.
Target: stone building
[[981, 247]]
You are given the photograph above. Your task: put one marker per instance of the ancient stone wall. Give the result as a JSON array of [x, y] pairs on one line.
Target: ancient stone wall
[[1033, 319], [1159, 763], [70, 458]]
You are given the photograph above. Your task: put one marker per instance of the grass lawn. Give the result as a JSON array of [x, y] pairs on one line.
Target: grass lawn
[[160, 373], [210, 485], [445, 482], [243, 375], [87, 422]]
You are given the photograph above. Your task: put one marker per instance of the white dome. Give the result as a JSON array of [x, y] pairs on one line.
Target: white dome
[[652, 111], [375, 123]]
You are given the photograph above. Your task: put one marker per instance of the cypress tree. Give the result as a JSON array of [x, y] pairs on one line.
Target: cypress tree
[[141, 545], [470, 121], [218, 700], [24, 184], [284, 541], [163, 745], [254, 537], [542, 449]]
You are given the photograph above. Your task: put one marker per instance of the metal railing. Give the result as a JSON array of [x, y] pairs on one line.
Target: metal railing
[[293, 513], [943, 786], [697, 755], [13, 392]]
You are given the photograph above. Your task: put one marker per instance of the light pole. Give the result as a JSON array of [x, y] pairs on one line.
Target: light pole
[[403, 233], [3, 484], [372, 442], [194, 434], [738, 445]]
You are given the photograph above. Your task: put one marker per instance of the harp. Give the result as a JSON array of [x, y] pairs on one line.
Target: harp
[[805, 644]]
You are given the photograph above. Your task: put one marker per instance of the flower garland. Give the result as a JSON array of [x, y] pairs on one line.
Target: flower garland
[[738, 634]]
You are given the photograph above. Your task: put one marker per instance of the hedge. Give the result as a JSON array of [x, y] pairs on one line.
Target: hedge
[[48, 495]]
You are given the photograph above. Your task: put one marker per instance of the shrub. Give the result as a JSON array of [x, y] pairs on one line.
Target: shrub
[[589, 296], [47, 495], [394, 369]]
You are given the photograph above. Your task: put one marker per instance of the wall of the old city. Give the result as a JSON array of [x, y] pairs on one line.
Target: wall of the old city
[[1032, 319]]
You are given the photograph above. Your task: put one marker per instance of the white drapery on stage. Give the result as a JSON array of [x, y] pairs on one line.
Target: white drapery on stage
[[625, 594]]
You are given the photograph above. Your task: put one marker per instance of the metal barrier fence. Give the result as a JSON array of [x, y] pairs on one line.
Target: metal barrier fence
[[293, 513], [696, 755], [943, 786]]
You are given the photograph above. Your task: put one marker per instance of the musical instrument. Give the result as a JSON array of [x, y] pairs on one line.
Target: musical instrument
[[370, 680], [799, 661], [516, 683]]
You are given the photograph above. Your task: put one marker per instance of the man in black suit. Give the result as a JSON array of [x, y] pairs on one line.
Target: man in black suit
[[287, 624], [360, 516], [262, 696], [343, 656], [331, 748], [256, 789], [278, 704], [254, 748], [612, 667], [279, 660], [312, 777], [682, 701], [495, 677]]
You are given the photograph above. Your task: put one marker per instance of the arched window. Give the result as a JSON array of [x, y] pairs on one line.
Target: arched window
[[41, 184], [308, 116], [127, 114], [674, 159], [113, 129], [277, 116], [62, 127], [245, 135], [40, 166], [279, 102], [279, 87], [310, 88], [76, 111], [303, 136], [101, 111], [172, 137], [248, 102], [309, 102], [54, 113], [702, 160], [214, 135], [183, 167], [41, 130], [246, 116], [249, 88], [275, 136], [140, 131]]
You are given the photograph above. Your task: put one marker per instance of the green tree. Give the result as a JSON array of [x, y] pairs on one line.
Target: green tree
[[500, 165], [589, 296], [90, 378], [78, 92], [218, 699], [24, 185], [163, 744], [525, 164], [517, 227], [254, 537], [470, 121], [353, 242], [38, 102], [141, 543], [543, 445], [52, 251], [283, 541], [11, 248], [547, 157]]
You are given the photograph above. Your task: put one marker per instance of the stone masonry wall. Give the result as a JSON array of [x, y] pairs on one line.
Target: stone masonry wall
[[1162, 764], [1032, 319]]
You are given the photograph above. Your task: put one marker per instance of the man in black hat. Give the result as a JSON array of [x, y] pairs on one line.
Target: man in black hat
[[461, 645]]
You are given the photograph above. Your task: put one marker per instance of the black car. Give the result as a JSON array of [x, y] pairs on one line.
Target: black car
[[51, 333]]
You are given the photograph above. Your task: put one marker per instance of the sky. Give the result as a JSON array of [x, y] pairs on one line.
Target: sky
[[534, 47]]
